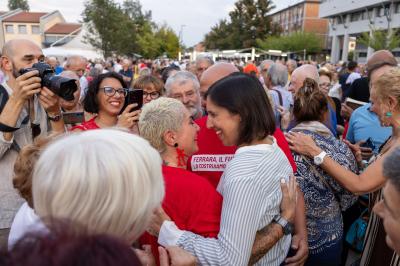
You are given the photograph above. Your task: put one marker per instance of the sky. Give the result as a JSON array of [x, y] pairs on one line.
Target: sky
[[194, 18]]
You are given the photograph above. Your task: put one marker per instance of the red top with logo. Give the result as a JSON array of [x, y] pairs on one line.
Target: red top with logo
[[191, 202], [88, 125], [211, 159]]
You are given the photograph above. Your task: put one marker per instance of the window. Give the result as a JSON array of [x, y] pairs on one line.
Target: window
[[22, 29], [10, 28], [362, 54], [397, 8], [51, 39], [355, 16], [35, 29]]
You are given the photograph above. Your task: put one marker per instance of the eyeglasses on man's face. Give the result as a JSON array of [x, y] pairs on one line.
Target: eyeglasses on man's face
[[110, 91], [153, 95]]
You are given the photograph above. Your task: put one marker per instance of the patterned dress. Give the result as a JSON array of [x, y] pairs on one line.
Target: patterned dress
[[325, 200]]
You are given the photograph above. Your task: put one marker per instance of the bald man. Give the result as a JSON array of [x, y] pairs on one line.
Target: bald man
[[296, 82], [18, 124], [212, 157], [300, 74], [212, 75], [77, 64]]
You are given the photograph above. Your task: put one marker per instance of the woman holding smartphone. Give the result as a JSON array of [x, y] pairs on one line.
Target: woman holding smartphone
[[105, 98]]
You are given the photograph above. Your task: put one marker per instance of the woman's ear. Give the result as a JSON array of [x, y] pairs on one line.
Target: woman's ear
[[392, 102], [169, 138]]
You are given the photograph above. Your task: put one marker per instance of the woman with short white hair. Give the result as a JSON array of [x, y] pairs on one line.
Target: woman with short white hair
[[109, 182], [190, 200]]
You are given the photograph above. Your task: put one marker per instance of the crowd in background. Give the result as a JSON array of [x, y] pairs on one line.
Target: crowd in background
[[274, 162]]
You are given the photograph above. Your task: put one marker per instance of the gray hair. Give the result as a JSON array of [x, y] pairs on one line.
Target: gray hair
[[278, 74], [180, 78], [391, 168], [204, 58], [265, 62], [110, 182], [157, 117], [292, 62]]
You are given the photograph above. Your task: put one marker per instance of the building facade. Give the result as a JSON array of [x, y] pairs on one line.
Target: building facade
[[348, 19], [42, 28], [302, 16]]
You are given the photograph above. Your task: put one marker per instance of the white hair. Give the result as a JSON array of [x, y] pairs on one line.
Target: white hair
[[278, 74], [180, 78], [107, 180], [157, 117]]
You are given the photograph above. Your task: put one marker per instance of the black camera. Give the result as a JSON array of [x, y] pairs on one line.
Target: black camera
[[63, 87]]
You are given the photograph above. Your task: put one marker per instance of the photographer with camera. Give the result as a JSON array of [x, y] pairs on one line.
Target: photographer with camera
[[24, 102]]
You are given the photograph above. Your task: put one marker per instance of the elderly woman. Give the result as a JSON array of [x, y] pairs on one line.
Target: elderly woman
[[325, 84], [105, 98], [152, 87], [385, 102], [324, 198], [241, 115], [191, 201], [110, 182]]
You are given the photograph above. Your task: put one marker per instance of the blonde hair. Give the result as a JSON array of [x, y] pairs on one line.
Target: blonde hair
[[388, 85], [159, 116], [106, 180]]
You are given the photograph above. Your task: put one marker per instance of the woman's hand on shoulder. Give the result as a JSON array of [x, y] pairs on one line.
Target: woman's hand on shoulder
[[302, 144]]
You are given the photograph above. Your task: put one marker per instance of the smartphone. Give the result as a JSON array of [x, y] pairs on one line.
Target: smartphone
[[134, 96], [368, 144], [73, 117]]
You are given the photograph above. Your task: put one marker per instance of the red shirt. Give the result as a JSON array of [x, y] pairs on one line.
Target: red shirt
[[211, 159], [88, 125], [191, 202]]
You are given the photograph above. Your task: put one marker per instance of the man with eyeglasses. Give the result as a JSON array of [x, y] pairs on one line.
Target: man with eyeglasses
[[185, 87], [25, 107]]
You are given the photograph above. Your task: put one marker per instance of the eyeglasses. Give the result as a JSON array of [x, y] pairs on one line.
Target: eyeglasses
[[153, 95], [325, 84], [110, 91]]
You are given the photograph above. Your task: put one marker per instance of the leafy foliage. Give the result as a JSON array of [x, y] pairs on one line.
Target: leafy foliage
[[297, 41], [380, 39], [14, 4], [249, 21], [126, 29]]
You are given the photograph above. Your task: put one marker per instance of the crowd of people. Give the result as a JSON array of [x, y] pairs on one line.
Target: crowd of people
[[216, 163]]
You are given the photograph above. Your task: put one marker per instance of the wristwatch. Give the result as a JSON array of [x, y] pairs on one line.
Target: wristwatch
[[55, 118], [319, 159], [286, 225]]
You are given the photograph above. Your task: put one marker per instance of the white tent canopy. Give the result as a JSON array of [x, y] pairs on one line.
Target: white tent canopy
[[65, 52], [74, 47]]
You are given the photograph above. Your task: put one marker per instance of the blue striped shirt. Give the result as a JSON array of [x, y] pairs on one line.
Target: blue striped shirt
[[251, 192]]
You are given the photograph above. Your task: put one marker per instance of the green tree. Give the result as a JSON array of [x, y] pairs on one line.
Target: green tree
[[169, 41], [219, 37], [109, 29], [126, 29], [380, 39], [297, 41], [249, 21], [14, 4]]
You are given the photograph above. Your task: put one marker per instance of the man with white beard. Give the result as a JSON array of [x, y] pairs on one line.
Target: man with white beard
[[185, 87]]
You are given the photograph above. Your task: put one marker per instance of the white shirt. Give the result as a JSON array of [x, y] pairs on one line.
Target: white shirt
[[352, 77], [250, 187], [25, 221]]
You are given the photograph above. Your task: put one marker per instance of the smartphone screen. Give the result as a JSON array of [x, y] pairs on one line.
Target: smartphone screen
[[134, 96], [73, 118]]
